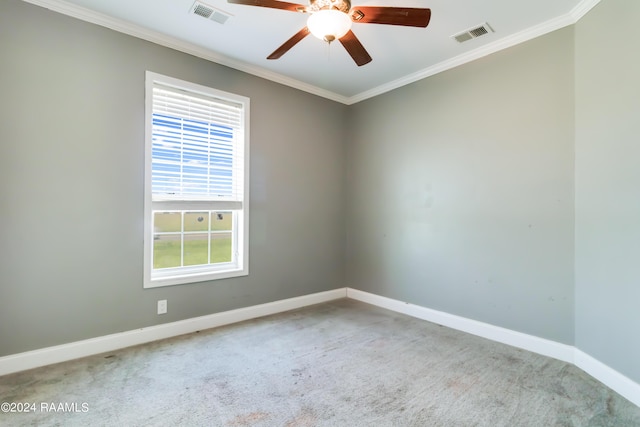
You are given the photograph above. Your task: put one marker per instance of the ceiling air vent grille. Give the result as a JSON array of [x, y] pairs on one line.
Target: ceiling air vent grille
[[473, 33], [209, 12]]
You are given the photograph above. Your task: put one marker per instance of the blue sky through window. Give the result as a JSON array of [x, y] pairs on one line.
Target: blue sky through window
[[191, 158]]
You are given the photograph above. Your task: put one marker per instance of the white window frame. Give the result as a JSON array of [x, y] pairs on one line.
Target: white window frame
[[240, 234]]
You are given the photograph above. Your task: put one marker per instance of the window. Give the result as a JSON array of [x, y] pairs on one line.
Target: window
[[196, 183]]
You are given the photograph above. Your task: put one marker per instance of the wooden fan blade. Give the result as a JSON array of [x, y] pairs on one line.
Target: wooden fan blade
[[273, 4], [355, 48], [289, 44], [407, 16]]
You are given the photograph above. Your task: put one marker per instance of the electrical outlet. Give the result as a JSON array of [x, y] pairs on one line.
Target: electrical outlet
[[162, 306]]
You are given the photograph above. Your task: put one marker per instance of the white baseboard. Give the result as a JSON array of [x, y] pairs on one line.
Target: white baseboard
[[613, 379], [495, 333], [62, 353]]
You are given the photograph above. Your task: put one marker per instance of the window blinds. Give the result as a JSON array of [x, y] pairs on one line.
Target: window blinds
[[197, 147]]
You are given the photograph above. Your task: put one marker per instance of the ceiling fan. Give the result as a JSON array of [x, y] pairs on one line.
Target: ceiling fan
[[331, 19]]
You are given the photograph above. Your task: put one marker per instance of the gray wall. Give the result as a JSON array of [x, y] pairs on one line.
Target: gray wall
[[461, 190], [458, 189], [71, 184], [608, 185], [506, 190]]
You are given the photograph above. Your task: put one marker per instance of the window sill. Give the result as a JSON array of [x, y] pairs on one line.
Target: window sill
[[184, 279]]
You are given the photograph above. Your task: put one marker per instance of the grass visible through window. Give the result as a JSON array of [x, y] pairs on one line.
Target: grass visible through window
[[170, 236]]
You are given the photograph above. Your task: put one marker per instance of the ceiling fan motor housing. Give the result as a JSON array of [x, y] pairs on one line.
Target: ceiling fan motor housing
[[341, 5]]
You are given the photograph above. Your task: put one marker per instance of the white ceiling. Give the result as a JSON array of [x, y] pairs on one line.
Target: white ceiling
[[400, 54]]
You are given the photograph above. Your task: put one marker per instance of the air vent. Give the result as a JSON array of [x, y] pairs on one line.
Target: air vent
[[209, 12], [473, 33]]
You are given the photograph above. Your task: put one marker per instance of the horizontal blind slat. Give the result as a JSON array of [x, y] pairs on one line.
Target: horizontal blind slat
[[196, 149]]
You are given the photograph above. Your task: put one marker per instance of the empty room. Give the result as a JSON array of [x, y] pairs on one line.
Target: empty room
[[221, 213]]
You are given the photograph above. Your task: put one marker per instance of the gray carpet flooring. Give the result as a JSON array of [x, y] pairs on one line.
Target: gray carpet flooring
[[343, 363]]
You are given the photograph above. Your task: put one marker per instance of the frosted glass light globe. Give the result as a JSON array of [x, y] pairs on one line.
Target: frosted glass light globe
[[329, 25]]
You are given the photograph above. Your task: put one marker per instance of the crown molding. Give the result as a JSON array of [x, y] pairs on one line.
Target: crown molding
[[530, 33], [121, 26], [137, 31], [582, 8]]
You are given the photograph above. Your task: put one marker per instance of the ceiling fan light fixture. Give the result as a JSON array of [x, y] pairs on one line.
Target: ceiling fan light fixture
[[329, 24]]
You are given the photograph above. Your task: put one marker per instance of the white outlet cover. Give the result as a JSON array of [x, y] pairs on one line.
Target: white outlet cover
[[162, 306]]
